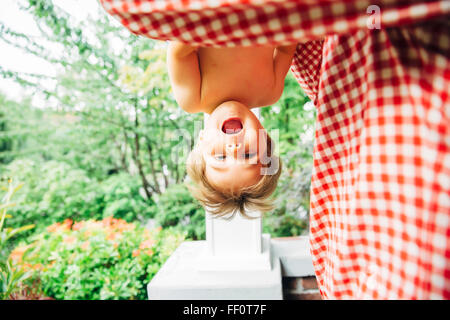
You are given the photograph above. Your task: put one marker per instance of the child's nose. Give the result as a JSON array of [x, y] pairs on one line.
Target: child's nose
[[233, 147]]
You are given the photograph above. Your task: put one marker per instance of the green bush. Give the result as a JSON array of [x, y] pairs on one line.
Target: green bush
[[177, 207], [11, 276], [54, 191], [283, 224], [107, 259], [291, 214], [122, 199]]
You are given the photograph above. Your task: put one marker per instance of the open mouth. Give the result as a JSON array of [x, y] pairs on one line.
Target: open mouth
[[232, 126]]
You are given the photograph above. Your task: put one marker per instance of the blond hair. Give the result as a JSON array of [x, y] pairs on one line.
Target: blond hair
[[222, 203]]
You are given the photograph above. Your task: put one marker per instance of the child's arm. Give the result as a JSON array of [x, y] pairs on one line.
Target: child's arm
[[282, 60], [184, 74]]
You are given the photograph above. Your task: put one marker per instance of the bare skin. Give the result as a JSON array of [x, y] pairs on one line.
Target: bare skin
[[226, 83], [204, 78]]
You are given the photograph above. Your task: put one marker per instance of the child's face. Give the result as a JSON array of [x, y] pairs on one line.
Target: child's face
[[233, 145]]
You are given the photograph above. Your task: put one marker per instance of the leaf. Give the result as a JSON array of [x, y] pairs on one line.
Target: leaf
[[17, 188], [11, 278], [13, 232]]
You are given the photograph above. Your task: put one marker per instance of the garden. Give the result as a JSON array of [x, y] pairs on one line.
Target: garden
[[94, 195]]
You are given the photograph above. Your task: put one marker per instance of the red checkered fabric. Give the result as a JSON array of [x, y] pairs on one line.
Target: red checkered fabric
[[380, 189]]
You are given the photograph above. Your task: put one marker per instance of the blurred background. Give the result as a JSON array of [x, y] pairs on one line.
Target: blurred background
[[93, 198]]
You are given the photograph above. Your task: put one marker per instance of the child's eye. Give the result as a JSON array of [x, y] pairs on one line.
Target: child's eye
[[249, 155], [220, 157]]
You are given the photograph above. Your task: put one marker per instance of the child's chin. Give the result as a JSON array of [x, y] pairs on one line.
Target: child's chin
[[231, 107]]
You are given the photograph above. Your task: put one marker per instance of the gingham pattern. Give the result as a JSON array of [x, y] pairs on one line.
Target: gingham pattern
[[380, 190]]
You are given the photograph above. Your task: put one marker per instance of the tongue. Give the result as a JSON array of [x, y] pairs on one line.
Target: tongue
[[232, 126]]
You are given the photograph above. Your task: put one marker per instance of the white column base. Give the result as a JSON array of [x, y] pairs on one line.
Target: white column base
[[180, 278], [236, 262]]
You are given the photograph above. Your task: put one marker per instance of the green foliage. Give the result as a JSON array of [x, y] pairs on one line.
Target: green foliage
[[54, 191], [294, 122], [177, 207], [290, 218], [107, 259], [114, 105], [5, 142], [11, 276], [283, 224], [22, 128], [122, 199], [295, 125]]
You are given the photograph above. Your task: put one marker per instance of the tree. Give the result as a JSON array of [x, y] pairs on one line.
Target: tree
[[114, 87], [110, 114]]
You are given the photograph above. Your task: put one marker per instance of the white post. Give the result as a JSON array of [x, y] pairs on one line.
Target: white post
[[236, 243]]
